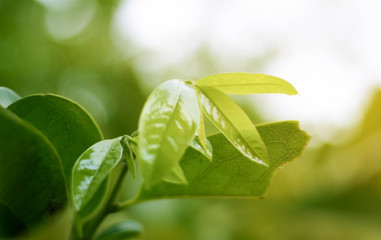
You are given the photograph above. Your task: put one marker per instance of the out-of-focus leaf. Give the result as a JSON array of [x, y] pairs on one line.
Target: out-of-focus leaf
[[93, 167], [196, 145], [128, 155], [7, 97], [176, 176], [167, 124], [10, 223], [58, 228], [32, 185], [120, 231], [232, 121], [66, 124], [230, 174], [247, 83]]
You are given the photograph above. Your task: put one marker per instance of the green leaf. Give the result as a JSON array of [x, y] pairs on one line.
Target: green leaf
[[247, 83], [58, 228], [167, 124], [176, 176], [196, 145], [95, 203], [232, 121], [129, 156], [201, 127], [122, 230], [93, 167], [230, 174], [66, 124], [7, 97], [30, 170], [10, 223]]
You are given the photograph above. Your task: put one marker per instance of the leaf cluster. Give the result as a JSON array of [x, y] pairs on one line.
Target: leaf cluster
[[66, 164]]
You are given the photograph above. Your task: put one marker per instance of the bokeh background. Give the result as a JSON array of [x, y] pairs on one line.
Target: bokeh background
[[108, 55]]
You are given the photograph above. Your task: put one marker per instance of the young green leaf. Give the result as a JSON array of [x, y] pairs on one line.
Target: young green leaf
[[7, 97], [230, 174], [128, 155], [92, 167], [196, 145], [247, 83], [167, 124], [176, 176], [201, 127], [121, 230], [66, 124], [230, 119], [32, 185]]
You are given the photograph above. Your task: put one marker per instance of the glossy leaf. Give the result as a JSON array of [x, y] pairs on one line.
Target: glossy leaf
[[167, 124], [94, 205], [201, 127], [230, 174], [128, 155], [176, 176], [93, 221], [230, 119], [66, 124], [93, 167], [122, 230], [30, 170], [247, 83], [196, 145], [7, 97]]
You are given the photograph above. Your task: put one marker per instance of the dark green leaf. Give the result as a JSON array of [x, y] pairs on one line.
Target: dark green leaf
[[30, 170], [232, 121], [247, 83], [120, 231], [7, 97], [230, 174], [167, 124], [93, 167], [10, 223], [66, 124]]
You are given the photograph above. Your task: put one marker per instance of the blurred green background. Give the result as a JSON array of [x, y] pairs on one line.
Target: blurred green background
[[80, 49]]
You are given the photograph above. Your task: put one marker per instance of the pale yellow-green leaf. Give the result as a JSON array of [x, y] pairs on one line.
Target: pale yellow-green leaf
[[247, 83], [232, 121]]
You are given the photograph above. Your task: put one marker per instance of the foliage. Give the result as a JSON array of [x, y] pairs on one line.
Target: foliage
[[66, 166]]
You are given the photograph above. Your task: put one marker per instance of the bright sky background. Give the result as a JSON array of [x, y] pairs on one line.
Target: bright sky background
[[330, 50]]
